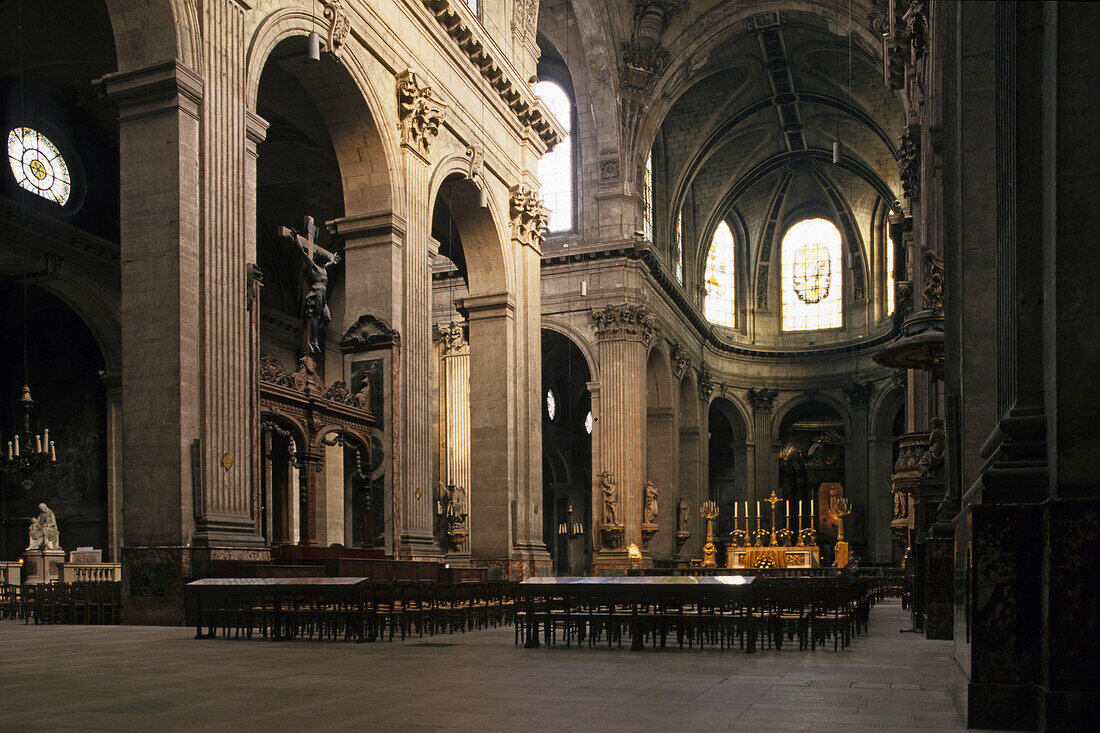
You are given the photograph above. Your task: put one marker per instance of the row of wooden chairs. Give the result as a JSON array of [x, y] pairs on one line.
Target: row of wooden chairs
[[369, 611], [812, 611], [90, 602]]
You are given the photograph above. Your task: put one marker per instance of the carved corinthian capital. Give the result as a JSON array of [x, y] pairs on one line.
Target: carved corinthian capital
[[626, 322], [453, 338], [528, 216], [419, 113]]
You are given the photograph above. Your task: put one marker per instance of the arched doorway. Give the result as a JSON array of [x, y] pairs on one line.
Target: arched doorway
[[567, 455], [727, 465], [811, 468]]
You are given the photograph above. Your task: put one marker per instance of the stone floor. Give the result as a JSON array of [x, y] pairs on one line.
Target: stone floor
[[128, 678]]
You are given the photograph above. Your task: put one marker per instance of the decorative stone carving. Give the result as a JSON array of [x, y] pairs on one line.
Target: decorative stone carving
[[476, 154], [339, 26], [340, 393], [762, 287], [524, 16], [609, 170], [706, 383], [932, 296], [453, 338], [909, 161], [419, 113], [625, 321], [680, 361], [643, 57], [368, 333], [859, 393], [762, 400], [528, 215], [272, 371], [898, 377]]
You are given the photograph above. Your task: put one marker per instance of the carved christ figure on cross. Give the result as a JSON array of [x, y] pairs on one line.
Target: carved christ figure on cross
[[315, 313]]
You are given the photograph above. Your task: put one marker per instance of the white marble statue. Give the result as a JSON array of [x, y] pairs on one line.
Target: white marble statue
[[48, 524], [36, 537]]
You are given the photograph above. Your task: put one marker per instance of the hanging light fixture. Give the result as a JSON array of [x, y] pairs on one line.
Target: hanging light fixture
[[26, 452], [314, 39]]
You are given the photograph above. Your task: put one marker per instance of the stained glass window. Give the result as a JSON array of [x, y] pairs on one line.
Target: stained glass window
[[647, 198], [678, 255], [556, 167], [37, 165], [813, 276], [551, 405], [588, 422], [718, 303]]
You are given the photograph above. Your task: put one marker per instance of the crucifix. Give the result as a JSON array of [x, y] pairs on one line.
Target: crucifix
[[315, 313], [773, 500]]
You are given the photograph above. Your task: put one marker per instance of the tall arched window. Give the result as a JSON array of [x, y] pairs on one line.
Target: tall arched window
[[678, 248], [718, 303], [889, 276], [813, 276], [556, 167], [647, 197]]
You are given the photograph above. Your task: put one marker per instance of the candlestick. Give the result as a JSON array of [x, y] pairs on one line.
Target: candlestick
[[799, 515], [811, 513], [17, 445], [53, 454], [38, 444], [735, 516], [788, 503], [757, 523]]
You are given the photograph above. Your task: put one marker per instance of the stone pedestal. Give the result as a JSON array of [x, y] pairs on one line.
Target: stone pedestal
[[43, 566]]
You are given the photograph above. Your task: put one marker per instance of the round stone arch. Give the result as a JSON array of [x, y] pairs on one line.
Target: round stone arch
[[361, 127], [884, 410], [579, 340], [490, 268], [802, 398], [146, 33]]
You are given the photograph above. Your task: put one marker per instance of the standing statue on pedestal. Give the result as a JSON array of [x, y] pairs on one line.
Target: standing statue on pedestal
[[649, 514], [610, 499], [682, 515], [47, 524]]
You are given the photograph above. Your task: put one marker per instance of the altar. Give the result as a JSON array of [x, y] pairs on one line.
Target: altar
[[780, 557]]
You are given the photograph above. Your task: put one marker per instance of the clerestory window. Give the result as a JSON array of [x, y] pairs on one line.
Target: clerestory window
[[719, 305], [556, 167], [813, 276]]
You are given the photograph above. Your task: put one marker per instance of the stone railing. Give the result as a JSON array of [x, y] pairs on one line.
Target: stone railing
[[90, 572]]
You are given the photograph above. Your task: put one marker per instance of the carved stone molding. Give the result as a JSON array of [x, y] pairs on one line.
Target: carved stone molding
[[625, 322], [762, 400], [706, 383], [524, 17], [476, 154], [453, 338], [679, 361], [526, 107], [859, 393], [419, 113], [528, 215], [642, 58], [909, 161], [339, 26], [369, 333]]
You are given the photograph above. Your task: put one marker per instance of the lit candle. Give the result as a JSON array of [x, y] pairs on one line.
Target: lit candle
[[788, 509], [53, 454], [38, 444], [799, 515], [16, 445], [811, 513], [9, 450]]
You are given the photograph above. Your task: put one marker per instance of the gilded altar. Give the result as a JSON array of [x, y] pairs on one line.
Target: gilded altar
[[780, 557]]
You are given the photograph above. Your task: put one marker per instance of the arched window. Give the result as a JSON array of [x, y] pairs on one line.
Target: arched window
[[813, 276], [718, 303], [556, 167], [647, 198], [889, 275], [678, 254]]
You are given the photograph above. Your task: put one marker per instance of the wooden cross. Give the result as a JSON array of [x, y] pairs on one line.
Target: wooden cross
[[309, 247]]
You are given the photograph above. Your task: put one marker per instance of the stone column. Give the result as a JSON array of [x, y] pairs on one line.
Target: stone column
[[493, 503], [420, 115], [112, 381], [856, 462], [766, 459], [456, 409], [624, 332], [159, 138]]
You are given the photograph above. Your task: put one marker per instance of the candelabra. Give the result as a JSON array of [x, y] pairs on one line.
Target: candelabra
[[708, 511], [28, 453]]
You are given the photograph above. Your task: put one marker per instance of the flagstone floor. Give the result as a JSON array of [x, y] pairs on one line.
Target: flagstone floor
[[130, 678]]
